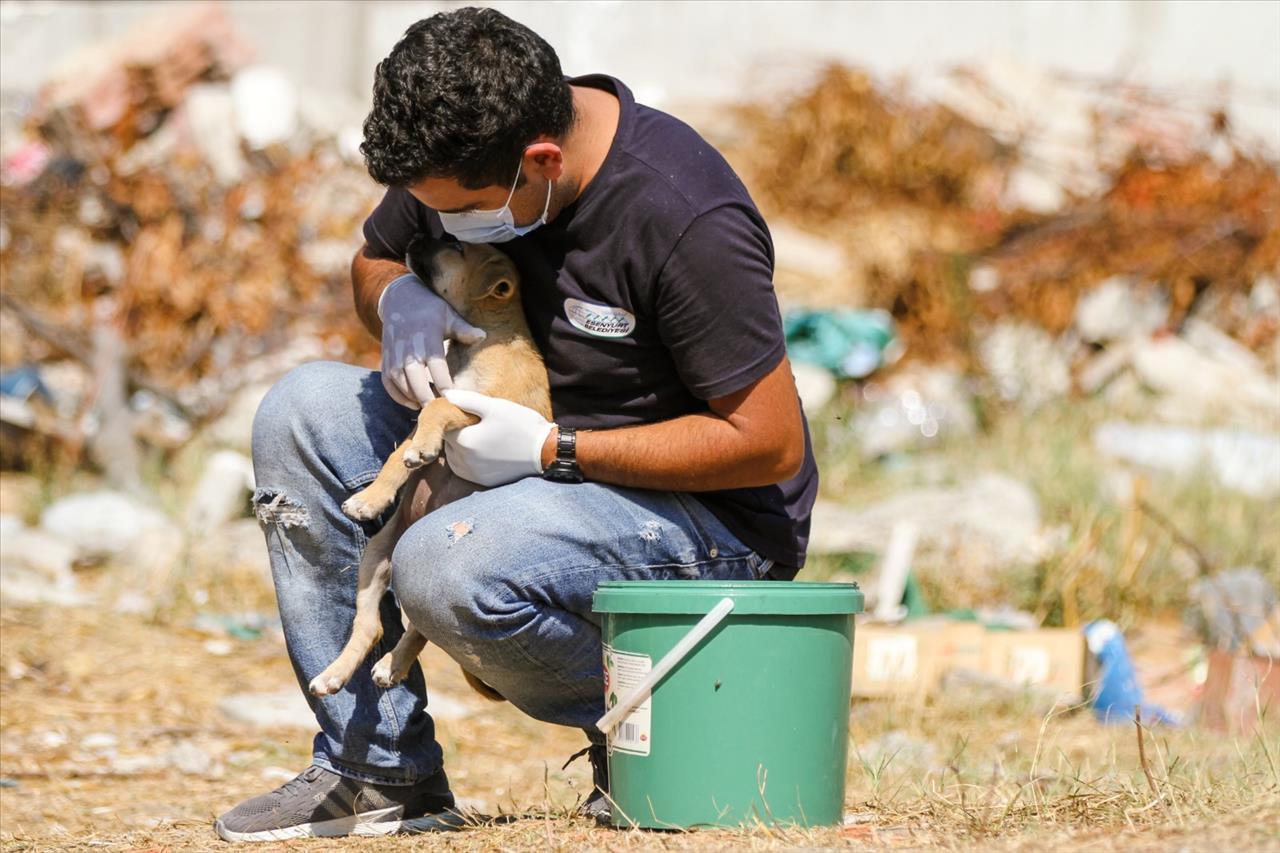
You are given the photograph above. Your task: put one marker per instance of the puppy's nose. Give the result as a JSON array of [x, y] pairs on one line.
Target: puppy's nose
[[432, 246]]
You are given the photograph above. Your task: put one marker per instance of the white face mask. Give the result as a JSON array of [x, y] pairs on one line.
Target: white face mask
[[492, 226]]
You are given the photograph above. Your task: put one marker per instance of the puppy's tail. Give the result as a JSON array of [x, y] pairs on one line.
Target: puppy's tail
[[483, 689]]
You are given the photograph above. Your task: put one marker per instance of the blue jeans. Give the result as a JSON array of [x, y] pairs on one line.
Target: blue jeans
[[501, 580]]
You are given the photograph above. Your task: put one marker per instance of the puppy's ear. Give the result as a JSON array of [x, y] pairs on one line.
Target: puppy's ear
[[502, 290]]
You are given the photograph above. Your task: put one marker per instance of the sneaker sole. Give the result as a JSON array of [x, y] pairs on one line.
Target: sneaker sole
[[366, 824]]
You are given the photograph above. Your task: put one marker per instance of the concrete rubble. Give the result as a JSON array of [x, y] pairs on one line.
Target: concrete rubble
[[103, 524], [35, 566], [993, 519], [285, 709]]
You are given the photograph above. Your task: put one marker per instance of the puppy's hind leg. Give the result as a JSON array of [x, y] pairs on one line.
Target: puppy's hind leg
[[373, 580], [394, 666]]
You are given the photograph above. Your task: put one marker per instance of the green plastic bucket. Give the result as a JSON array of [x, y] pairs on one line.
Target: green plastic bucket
[[750, 721]]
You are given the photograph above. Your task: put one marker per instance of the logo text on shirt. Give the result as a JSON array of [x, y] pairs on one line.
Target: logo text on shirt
[[603, 321]]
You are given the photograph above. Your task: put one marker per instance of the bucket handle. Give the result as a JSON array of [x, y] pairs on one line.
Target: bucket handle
[[628, 704]]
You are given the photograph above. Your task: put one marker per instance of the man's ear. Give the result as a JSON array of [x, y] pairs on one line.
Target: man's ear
[[502, 290], [547, 158]]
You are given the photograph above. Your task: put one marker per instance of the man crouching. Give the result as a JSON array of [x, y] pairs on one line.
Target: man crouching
[[677, 447]]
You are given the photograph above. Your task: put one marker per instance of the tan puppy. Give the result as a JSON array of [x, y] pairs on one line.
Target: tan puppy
[[482, 284]]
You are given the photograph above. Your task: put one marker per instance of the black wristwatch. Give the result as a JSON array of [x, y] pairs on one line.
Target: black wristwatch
[[564, 468]]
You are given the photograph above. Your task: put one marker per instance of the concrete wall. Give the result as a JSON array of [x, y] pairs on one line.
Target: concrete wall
[[674, 52]]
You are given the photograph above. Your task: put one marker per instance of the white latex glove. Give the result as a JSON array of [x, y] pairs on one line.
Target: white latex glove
[[415, 324], [505, 446]]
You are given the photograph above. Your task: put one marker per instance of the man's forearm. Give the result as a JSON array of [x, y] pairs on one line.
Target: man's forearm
[[752, 437], [369, 277], [692, 453]]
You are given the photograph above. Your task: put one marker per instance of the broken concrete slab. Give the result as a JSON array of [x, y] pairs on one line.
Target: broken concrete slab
[[101, 524], [993, 517]]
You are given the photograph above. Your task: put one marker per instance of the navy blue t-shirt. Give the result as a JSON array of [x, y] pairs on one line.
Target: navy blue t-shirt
[[649, 295]]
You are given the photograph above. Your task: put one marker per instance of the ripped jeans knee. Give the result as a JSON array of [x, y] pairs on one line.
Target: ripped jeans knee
[[274, 508]]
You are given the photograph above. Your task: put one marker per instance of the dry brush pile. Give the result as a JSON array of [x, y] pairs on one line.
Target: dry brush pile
[[928, 202]]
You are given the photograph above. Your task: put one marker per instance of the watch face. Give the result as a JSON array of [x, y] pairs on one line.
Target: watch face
[[563, 472]]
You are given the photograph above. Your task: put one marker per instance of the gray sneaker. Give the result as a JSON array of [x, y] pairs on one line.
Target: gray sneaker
[[319, 802]]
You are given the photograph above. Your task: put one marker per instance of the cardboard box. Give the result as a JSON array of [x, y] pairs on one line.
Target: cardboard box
[[1237, 687], [1047, 657], [910, 659]]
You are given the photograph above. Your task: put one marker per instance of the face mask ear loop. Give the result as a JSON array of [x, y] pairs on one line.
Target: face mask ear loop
[[512, 193], [546, 207]]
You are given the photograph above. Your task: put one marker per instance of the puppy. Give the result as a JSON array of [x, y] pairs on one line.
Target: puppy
[[482, 284]]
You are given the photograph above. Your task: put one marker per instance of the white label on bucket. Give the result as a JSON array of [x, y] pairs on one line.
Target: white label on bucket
[[622, 672]]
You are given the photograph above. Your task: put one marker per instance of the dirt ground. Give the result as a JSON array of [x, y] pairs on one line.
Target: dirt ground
[[112, 740]]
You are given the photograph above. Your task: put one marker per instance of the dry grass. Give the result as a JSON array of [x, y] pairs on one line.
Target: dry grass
[[963, 772], [969, 777], [1115, 563]]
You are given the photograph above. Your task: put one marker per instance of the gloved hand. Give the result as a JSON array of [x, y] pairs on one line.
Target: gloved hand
[[415, 323], [505, 446]]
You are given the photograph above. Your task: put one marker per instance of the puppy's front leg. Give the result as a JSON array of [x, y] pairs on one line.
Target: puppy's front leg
[[428, 441], [436, 418], [373, 579]]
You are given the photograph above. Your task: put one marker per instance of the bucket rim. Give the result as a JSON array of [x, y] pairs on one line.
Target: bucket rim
[[757, 598]]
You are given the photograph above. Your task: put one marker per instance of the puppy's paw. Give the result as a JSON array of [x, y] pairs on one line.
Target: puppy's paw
[[416, 457], [325, 684], [360, 508], [385, 673]]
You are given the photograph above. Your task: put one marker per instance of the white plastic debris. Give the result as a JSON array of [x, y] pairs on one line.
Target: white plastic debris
[[266, 105], [211, 111], [234, 427], [1206, 373], [815, 385], [222, 492], [1117, 308], [99, 742], [803, 255], [1027, 365], [1244, 461], [916, 408]]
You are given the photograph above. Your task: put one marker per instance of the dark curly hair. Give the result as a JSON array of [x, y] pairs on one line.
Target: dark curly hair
[[460, 96]]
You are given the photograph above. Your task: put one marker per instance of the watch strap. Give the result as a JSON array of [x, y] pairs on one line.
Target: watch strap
[[564, 468]]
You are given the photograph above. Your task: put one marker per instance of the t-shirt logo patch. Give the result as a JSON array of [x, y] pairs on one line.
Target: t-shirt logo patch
[[603, 321]]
